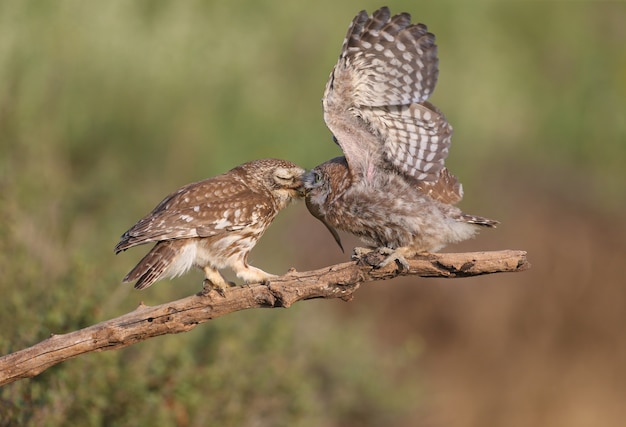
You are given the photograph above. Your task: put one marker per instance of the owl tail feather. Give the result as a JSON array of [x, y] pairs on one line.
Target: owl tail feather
[[479, 220], [152, 266]]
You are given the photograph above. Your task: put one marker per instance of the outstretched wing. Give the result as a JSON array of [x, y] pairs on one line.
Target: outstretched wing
[[374, 101]]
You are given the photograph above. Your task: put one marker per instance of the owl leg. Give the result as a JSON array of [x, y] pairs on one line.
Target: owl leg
[[358, 252], [214, 281], [372, 256], [251, 274], [396, 255]]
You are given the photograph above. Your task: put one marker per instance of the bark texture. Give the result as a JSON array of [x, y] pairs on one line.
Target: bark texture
[[336, 281]]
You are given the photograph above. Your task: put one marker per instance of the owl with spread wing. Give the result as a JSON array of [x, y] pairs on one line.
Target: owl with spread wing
[[390, 188]]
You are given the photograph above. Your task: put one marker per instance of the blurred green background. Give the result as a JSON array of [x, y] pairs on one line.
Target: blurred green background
[[106, 107]]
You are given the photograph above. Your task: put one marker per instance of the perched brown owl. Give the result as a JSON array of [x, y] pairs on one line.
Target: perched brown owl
[[391, 189], [213, 224]]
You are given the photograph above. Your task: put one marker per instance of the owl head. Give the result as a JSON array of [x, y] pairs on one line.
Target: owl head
[[321, 185], [282, 178]]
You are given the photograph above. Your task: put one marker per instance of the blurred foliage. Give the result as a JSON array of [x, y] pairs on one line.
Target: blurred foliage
[[105, 107]]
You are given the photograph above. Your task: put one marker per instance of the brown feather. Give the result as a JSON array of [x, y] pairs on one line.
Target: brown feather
[[446, 189], [153, 265]]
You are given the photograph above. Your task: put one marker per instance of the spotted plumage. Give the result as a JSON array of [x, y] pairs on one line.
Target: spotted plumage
[[391, 187], [213, 224]]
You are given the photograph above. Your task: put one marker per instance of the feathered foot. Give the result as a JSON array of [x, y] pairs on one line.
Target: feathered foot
[[214, 281], [383, 256], [397, 255], [250, 274]]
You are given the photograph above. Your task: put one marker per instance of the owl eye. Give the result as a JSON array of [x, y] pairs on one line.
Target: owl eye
[[283, 175], [317, 177]]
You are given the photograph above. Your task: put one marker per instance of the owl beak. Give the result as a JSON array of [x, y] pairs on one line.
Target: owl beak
[[314, 210], [299, 187]]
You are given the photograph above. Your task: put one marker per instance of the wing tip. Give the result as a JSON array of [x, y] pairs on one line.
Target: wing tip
[[479, 220]]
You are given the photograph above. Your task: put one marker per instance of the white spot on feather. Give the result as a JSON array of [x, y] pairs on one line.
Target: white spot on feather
[[222, 223], [186, 218], [387, 36]]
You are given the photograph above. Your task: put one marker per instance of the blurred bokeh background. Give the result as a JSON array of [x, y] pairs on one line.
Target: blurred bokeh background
[[106, 107]]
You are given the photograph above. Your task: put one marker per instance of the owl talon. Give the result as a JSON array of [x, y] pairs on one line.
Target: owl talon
[[393, 255], [360, 252], [208, 286], [368, 256], [207, 290], [381, 257]]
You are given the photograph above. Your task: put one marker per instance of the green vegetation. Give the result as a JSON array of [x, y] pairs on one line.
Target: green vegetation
[[105, 107]]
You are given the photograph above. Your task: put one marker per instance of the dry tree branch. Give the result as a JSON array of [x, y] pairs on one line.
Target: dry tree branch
[[337, 281]]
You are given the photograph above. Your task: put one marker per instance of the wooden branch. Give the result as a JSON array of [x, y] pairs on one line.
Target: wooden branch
[[337, 281]]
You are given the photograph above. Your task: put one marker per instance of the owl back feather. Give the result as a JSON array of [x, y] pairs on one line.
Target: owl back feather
[[447, 189]]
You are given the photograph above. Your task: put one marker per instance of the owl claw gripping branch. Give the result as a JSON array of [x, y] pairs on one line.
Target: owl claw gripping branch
[[213, 224], [390, 188]]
